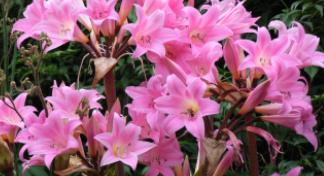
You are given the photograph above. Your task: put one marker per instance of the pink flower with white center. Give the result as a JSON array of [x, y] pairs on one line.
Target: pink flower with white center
[[162, 158], [144, 96], [53, 138], [33, 15], [68, 100], [149, 33], [123, 143], [203, 28], [265, 52], [185, 103]]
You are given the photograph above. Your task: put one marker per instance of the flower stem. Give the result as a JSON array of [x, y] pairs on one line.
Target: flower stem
[[110, 90], [252, 154]]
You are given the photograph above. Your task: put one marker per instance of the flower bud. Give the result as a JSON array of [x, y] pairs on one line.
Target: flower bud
[[125, 8]]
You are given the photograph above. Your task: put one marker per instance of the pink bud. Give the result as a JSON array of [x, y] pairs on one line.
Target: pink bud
[[255, 97], [125, 8]]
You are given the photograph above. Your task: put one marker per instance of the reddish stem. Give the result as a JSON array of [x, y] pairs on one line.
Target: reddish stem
[[110, 90], [253, 156]]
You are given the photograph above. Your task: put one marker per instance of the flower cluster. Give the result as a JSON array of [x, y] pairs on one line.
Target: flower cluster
[[184, 94]]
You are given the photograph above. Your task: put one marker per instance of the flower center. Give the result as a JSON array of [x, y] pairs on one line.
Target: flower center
[[64, 29], [197, 36], [145, 40], [119, 150], [191, 107]]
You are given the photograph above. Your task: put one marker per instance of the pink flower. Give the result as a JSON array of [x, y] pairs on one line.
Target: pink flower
[[265, 52], [149, 34], [53, 138], [234, 16], [186, 104], [33, 15], [123, 143], [68, 100], [202, 63], [162, 158], [60, 23], [144, 96], [233, 58], [101, 10], [10, 121], [204, 28], [302, 46], [285, 81]]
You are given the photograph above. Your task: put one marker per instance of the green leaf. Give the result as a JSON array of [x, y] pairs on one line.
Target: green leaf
[[320, 165], [311, 71]]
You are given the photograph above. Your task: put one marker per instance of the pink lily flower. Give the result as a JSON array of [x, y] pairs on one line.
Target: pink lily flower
[[303, 45], [203, 62], [123, 143], [99, 11], [67, 99], [33, 15], [149, 34], [53, 138], [274, 145], [285, 81], [60, 22], [144, 96], [186, 104], [10, 121], [204, 28], [235, 17], [162, 158], [265, 52]]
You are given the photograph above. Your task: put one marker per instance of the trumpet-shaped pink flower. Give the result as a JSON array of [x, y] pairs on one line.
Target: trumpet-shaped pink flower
[[10, 121], [33, 15], [53, 138], [101, 10], [60, 23], [204, 28], [149, 33], [202, 63], [186, 104], [265, 52], [68, 100], [144, 96], [123, 143], [303, 45], [162, 158], [285, 81], [10, 117]]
